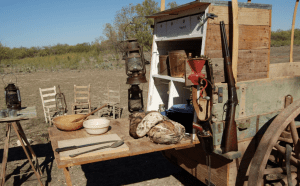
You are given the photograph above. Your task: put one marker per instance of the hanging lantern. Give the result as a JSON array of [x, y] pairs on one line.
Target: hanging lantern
[[61, 105], [135, 99], [12, 95], [135, 63]]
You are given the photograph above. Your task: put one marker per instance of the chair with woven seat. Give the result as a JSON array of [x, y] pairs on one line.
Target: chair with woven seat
[[112, 98], [49, 103], [82, 100]]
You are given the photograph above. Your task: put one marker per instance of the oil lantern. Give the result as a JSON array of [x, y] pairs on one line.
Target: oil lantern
[[12, 95], [135, 63], [61, 105], [135, 99]]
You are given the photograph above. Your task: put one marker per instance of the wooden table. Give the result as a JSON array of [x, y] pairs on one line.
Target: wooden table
[[120, 127], [24, 113]]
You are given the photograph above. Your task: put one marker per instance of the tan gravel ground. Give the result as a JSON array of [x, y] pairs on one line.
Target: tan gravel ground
[[148, 169]]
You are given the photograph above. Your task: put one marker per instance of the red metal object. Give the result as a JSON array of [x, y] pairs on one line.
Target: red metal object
[[196, 66], [197, 127]]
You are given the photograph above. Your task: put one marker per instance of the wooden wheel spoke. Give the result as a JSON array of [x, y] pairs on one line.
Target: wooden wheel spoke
[[278, 170], [284, 180], [282, 151], [294, 132]]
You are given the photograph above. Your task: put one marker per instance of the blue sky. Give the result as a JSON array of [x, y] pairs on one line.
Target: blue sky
[[40, 23]]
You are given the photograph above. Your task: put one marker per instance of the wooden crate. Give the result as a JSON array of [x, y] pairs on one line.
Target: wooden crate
[[254, 39]]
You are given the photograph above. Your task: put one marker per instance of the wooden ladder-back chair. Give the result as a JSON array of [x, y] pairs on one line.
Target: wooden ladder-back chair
[[112, 98], [82, 99], [49, 104]]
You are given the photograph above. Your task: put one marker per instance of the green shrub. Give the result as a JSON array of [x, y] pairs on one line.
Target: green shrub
[[283, 38], [71, 61]]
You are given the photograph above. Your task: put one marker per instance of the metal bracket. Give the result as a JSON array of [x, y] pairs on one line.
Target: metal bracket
[[288, 154], [208, 16], [244, 124], [220, 95], [209, 183], [211, 15]]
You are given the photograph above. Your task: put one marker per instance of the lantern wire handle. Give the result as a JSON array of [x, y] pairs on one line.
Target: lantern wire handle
[[62, 96], [10, 79]]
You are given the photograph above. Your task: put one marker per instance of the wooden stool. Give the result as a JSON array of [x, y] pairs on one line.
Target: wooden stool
[[15, 122]]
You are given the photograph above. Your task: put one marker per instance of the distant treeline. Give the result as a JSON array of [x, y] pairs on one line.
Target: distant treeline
[[23, 52], [278, 38], [283, 38]]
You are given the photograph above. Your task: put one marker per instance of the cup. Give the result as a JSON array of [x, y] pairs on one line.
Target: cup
[[3, 113], [12, 113]]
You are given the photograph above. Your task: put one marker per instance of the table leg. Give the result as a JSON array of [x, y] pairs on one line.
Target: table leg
[[114, 112], [67, 176], [17, 130], [34, 157], [5, 153]]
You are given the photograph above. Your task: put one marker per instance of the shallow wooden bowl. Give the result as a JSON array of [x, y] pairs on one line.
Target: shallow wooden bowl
[[65, 122]]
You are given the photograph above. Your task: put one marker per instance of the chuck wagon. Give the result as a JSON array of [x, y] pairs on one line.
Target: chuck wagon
[[260, 143]]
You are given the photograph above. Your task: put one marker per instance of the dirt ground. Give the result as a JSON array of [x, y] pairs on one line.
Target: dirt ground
[[148, 169]]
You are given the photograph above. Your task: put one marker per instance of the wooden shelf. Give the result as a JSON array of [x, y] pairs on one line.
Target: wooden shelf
[[182, 80], [178, 37]]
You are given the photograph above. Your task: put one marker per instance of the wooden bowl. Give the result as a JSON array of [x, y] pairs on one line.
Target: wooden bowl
[[65, 122]]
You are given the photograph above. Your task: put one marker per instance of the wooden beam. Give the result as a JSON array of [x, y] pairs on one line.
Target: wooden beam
[[235, 43], [293, 32], [162, 5]]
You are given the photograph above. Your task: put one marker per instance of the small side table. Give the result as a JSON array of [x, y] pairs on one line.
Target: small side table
[[25, 113]]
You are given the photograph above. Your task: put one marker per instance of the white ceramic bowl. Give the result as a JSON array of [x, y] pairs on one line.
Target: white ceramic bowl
[[96, 126]]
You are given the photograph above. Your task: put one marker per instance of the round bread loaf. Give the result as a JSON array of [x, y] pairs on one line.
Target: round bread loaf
[[141, 123], [167, 132]]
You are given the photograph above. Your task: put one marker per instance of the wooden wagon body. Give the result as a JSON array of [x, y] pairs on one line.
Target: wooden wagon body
[[262, 88]]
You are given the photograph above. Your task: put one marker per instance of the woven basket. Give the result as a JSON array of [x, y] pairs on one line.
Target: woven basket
[[65, 122]]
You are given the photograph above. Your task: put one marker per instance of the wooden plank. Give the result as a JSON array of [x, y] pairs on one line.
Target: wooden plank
[[251, 76], [49, 100], [247, 16], [93, 139], [82, 87], [82, 92], [162, 5], [235, 38], [193, 160], [250, 62], [284, 69], [67, 176], [47, 95], [293, 31], [269, 53], [250, 37], [120, 127], [5, 154], [48, 89], [24, 114], [178, 9], [81, 97]]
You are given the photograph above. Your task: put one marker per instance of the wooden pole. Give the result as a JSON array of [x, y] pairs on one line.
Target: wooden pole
[[249, 1], [235, 40], [162, 5], [293, 32]]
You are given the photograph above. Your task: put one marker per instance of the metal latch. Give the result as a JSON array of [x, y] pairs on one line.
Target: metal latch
[[211, 15], [220, 95], [208, 16]]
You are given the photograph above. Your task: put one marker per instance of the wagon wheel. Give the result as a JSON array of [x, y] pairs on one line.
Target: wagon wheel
[[272, 141]]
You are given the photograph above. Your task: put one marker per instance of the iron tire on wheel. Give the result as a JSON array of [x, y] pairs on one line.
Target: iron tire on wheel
[[270, 141]]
